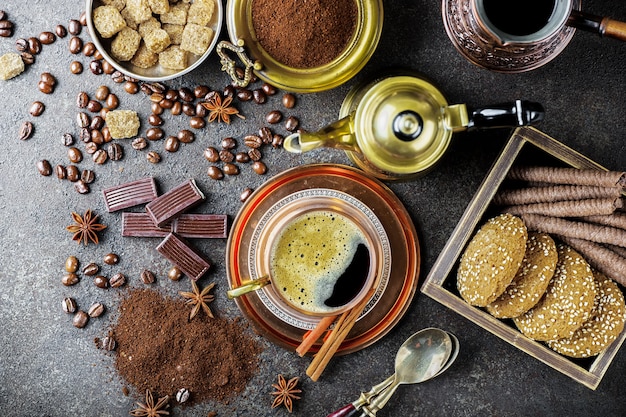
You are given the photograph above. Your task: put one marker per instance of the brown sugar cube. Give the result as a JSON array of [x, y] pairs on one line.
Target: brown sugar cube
[[139, 9], [196, 39], [175, 32], [159, 6], [11, 65], [173, 58], [129, 19], [177, 14], [157, 40], [122, 123], [148, 26], [144, 58], [108, 21], [118, 4], [125, 44], [201, 12]]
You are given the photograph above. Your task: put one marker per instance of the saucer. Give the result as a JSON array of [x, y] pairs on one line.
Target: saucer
[[395, 295]]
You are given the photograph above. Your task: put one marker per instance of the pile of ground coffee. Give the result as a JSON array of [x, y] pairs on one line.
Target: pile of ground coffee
[[159, 350], [304, 33]]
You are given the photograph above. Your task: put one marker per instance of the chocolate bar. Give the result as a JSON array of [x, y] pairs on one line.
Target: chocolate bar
[[169, 205], [185, 257], [200, 226], [130, 194], [141, 225]]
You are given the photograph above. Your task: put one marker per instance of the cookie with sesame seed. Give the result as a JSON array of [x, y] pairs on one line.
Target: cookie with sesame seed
[[567, 303], [603, 327], [491, 259], [531, 280]]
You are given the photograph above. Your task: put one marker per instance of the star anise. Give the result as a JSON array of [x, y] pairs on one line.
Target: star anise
[[199, 299], [219, 109], [85, 228], [150, 409], [286, 392]]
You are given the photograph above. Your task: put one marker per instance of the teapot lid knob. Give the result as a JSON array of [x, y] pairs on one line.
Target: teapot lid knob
[[407, 125]]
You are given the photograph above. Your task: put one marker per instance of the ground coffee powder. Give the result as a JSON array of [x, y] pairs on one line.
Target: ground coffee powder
[[159, 350], [304, 33]]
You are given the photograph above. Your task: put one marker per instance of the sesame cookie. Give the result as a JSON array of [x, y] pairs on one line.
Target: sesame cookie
[[492, 259], [602, 328], [531, 280], [567, 302]]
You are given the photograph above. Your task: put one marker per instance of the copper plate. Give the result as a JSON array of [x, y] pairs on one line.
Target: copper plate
[[396, 221]]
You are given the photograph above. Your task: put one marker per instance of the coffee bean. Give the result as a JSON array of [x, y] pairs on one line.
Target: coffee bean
[[277, 140], [156, 108], [26, 130], [244, 95], [72, 173], [191, 110], [259, 167], [74, 27], [289, 101], [211, 154], [166, 104], [83, 18], [182, 395], [253, 141], [91, 269], [229, 91], [153, 157], [170, 94], [172, 144], [89, 49], [83, 119], [155, 120], [269, 89], [6, 28], [45, 87], [115, 151], [229, 143], [80, 319], [117, 280], [102, 93], [76, 67], [157, 98], [245, 194], [97, 139], [44, 167], [47, 38], [87, 176], [107, 67], [67, 139], [92, 147], [34, 46], [101, 281], [82, 100], [215, 172], [112, 102], [74, 155], [200, 91], [28, 58], [292, 124], [71, 264], [185, 94], [96, 67], [48, 78], [139, 143], [177, 108], [131, 87], [109, 344], [155, 133], [230, 169], [61, 31], [259, 96], [197, 122], [266, 134], [242, 157], [186, 136], [96, 310], [255, 154], [174, 274], [273, 117], [147, 276], [69, 305], [100, 156], [111, 258], [37, 108], [61, 172], [69, 279], [75, 45], [106, 134], [21, 45], [81, 187], [226, 156], [97, 123], [94, 106], [85, 134]]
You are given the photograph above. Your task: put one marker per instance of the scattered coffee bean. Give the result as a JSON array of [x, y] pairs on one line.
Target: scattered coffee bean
[[277, 140], [172, 144], [211, 154], [69, 305], [97, 55], [255, 154], [242, 157], [82, 100], [199, 110], [21, 45], [115, 151], [289, 101], [26, 130], [117, 280], [72, 173], [96, 310], [139, 143], [229, 143], [83, 18], [186, 136], [89, 49], [60, 31], [109, 344], [273, 117], [157, 98], [80, 319], [94, 106], [102, 93], [97, 122], [61, 172], [259, 96], [200, 91], [182, 395], [74, 27], [245, 194], [67, 139], [96, 67], [106, 134], [259, 167], [131, 87], [170, 95], [266, 135], [185, 94], [147, 276], [153, 157], [229, 91], [174, 273], [155, 120], [177, 108], [28, 58], [107, 67], [97, 139], [45, 87], [111, 259], [269, 89], [100, 156], [74, 155], [244, 95], [156, 108], [91, 147], [71, 264], [91, 269], [253, 141], [69, 279], [87, 176], [226, 156], [230, 169], [6, 28], [85, 134], [155, 133], [81, 187], [76, 67], [101, 281], [197, 122], [44, 167], [83, 119], [166, 104], [47, 38], [37, 109], [34, 46], [292, 124], [75, 45], [215, 172]]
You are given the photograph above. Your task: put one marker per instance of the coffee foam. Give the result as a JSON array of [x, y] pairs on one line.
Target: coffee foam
[[310, 254]]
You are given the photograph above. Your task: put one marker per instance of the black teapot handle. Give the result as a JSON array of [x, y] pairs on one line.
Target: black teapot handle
[[517, 113]]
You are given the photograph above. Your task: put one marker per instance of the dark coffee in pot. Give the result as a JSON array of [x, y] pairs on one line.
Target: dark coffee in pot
[[519, 17]]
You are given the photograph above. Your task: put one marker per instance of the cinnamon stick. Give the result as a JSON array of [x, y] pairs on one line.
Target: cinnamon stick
[[614, 220], [601, 258], [569, 208], [557, 175], [313, 335], [547, 193]]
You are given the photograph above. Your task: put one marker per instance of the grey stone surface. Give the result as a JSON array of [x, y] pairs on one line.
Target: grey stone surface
[[49, 368]]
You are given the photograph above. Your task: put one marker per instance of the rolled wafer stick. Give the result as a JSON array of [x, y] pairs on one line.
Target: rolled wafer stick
[[548, 193], [617, 249], [581, 230], [603, 259], [556, 175], [614, 220], [570, 208], [313, 335]]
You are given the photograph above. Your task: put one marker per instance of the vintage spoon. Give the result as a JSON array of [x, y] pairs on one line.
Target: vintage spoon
[[421, 357]]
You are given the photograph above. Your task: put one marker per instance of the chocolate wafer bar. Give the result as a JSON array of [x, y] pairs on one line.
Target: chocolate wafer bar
[[141, 225], [200, 226], [188, 259], [169, 205], [130, 194]]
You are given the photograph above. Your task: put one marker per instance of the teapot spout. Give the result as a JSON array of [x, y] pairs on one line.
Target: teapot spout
[[338, 135]]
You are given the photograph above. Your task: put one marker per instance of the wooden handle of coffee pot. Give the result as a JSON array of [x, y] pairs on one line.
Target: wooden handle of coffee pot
[[613, 29], [603, 26]]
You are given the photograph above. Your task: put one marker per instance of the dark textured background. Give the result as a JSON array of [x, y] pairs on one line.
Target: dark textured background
[[47, 367]]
